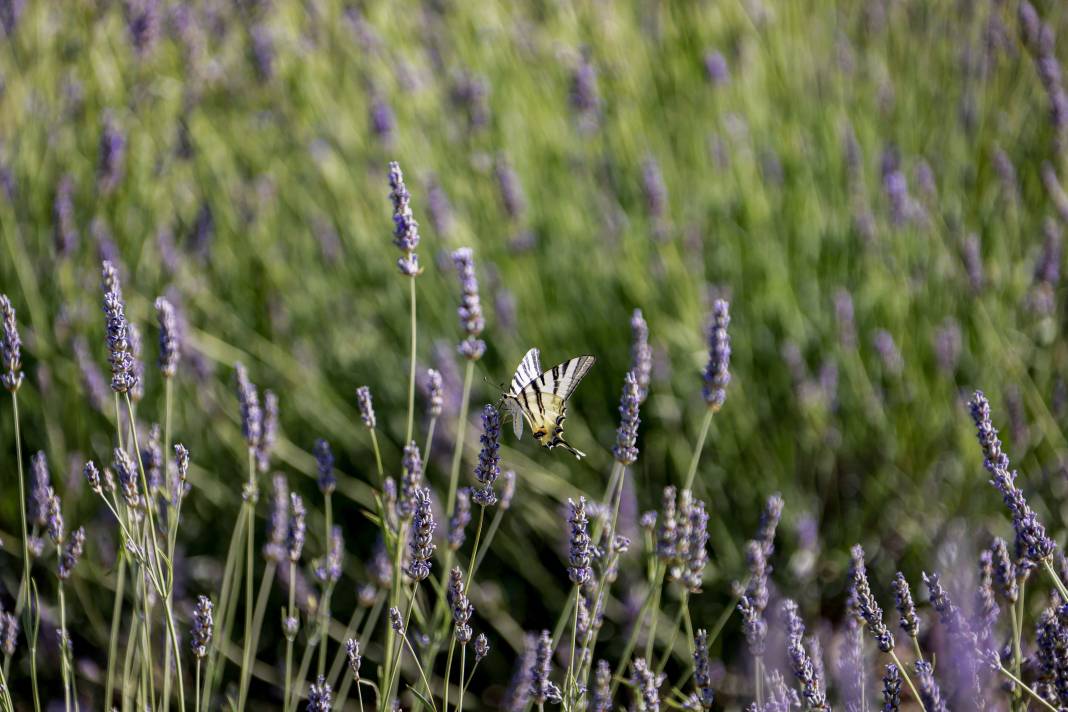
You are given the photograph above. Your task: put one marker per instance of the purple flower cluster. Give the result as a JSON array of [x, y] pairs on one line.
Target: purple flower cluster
[[324, 461], [462, 609], [10, 347], [297, 527], [625, 450], [906, 609], [542, 689], [170, 345], [470, 310], [488, 468], [411, 480], [461, 517], [867, 606], [1032, 542], [366, 406], [72, 552], [641, 354], [249, 401], [717, 373], [405, 228], [422, 538], [203, 626], [580, 550], [812, 685], [123, 377], [268, 431], [278, 528]]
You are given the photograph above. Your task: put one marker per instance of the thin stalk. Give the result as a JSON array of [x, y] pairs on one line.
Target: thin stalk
[[289, 640], [458, 447], [916, 643], [495, 523], [116, 618], [395, 666], [148, 493], [463, 667], [569, 681], [339, 657], [759, 680], [250, 563], [302, 674], [1017, 656], [653, 611], [23, 586], [1027, 689], [411, 370], [257, 617], [171, 533], [1056, 579], [700, 446], [474, 550], [905, 674], [146, 640], [196, 689], [324, 608], [370, 622], [214, 669], [429, 438], [683, 602], [127, 665], [632, 641], [448, 672], [378, 455], [64, 665]]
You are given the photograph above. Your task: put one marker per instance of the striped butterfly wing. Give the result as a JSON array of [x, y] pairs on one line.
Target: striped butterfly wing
[[528, 370]]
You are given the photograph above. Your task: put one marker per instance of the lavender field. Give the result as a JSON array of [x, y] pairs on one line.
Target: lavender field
[[269, 268]]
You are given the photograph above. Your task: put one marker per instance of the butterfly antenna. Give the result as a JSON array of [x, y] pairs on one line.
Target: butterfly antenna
[[567, 446]]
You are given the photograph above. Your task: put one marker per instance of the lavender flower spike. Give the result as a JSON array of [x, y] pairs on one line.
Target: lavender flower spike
[[366, 405], [625, 450], [905, 606], [170, 349], [405, 228], [867, 605], [1004, 571], [579, 549], [435, 392], [930, 694], [702, 671], [482, 647], [352, 650], [92, 476], [461, 606], [891, 689], [10, 347], [717, 373], [422, 541], [461, 517], [297, 527], [488, 468], [269, 431], [411, 480], [249, 400], [641, 354], [203, 625], [324, 460], [647, 686], [278, 531], [470, 311], [40, 488], [812, 687], [320, 696], [120, 357], [1031, 536], [72, 552], [696, 547], [543, 690]]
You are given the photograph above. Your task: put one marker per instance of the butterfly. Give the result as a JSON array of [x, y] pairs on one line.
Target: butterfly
[[540, 398]]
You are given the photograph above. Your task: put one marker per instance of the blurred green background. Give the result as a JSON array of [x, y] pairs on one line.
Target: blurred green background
[[251, 189]]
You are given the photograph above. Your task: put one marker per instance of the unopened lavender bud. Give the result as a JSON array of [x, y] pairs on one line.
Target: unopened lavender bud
[[405, 228], [366, 406], [297, 527], [395, 620], [579, 548], [434, 390], [92, 476], [462, 609], [352, 650], [422, 537], [411, 480], [203, 627], [625, 450], [868, 607], [324, 460], [717, 373], [461, 517], [482, 647], [320, 696], [489, 459], [10, 347], [905, 607], [641, 354], [470, 310], [72, 553], [249, 401], [170, 349]]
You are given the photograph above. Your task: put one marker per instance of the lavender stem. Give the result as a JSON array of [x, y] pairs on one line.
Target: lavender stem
[[705, 424]]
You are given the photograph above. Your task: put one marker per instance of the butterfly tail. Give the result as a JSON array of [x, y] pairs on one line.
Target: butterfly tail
[[560, 442]]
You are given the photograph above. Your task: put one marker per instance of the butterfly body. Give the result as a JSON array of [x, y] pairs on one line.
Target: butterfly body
[[540, 398]]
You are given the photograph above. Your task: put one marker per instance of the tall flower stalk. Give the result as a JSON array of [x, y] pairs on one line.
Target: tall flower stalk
[[717, 377], [406, 238], [12, 377]]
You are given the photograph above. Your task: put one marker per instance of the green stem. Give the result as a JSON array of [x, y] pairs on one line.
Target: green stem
[[1027, 689], [463, 667], [490, 533], [370, 622], [378, 455], [395, 666], [429, 438], [1016, 652], [905, 674], [758, 679], [448, 672], [289, 638], [172, 527], [569, 681], [700, 446], [127, 665], [340, 656], [324, 608], [632, 641], [1056, 579], [64, 658], [654, 611], [676, 625], [458, 447], [411, 371], [250, 562], [257, 619], [216, 658], [196, 689]]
